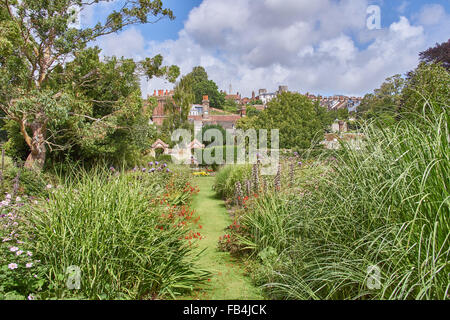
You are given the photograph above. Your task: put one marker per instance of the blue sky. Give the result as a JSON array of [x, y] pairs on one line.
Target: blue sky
[[320, 46]]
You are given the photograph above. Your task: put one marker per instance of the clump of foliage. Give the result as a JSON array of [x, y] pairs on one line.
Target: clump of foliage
[[300, 122], [126, 232], [54, 103], [203, 86]]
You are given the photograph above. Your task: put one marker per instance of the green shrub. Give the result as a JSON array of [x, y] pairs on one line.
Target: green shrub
[[164, 158]]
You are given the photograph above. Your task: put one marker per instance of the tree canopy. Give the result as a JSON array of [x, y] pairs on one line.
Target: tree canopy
[[384, 102], [438, 54], [202, 86], [297, 118], [40, 90]]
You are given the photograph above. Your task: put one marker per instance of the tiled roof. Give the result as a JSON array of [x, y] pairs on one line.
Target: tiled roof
[[217, 118]]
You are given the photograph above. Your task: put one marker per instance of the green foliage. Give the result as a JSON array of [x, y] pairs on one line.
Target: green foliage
[[202, 86], [15, 147], [177, 109], [438, 54], [21, 274], [256, 102], [212, 141], [214, 152], [30, 182], [428, 87], [252, 111], [294, 115], [226, 178], [153, 68], [230, 106], [383, 104], [423, 89], [384, 205], [81, 105], [118, 238]]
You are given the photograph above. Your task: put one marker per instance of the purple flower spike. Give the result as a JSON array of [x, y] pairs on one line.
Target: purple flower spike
[[156, 163], [112, 169], [300, 163], [150, 164], [144, 169], [168, 170]]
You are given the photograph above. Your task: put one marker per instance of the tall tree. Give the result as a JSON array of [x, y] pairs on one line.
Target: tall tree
[[177, 109], [36, 39], [294, 115], [202, 86]]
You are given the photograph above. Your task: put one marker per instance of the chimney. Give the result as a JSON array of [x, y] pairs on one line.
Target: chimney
[[160, 93], [205, 104], [154, 93], [167, 92], [253, 95], [244, 111]]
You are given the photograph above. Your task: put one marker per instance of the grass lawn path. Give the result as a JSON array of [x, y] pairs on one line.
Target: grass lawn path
[[228, 281]]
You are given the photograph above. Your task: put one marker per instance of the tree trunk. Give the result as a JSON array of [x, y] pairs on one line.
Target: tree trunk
[[36, 158]]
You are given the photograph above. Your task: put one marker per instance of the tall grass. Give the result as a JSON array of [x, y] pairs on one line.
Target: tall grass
[[386, 205], [226, 178], [110, 226]]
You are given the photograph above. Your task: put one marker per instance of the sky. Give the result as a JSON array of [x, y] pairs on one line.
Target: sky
[[322, 46]]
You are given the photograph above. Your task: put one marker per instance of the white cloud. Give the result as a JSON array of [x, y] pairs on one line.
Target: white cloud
[[311, 46], [131, 42], [431, 14]]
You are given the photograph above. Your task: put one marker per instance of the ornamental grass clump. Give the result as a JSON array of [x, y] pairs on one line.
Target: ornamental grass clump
[[384, 206], [114, 230]]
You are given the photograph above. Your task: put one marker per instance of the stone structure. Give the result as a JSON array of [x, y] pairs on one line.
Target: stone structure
[[339, 127], [159, 114], [159, 144]]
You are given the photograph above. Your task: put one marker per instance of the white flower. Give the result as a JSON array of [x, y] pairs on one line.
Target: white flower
[[49, 186], [29, 265], [13, 249], [12, 266], [18, 253]]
